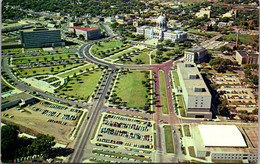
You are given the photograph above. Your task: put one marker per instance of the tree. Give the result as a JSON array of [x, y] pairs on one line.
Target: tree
[[42, 144], [9, 141], [187, 44], [160, 46], [253, 79], [179, 40], [159, 53], [255, 111]]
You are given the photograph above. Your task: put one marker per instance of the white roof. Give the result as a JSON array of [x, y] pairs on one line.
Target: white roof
[[222, 136]]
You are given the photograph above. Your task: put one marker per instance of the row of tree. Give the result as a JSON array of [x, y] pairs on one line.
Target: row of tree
[[13, 147]]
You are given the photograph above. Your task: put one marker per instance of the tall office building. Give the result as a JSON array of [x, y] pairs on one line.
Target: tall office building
[[40, 37]]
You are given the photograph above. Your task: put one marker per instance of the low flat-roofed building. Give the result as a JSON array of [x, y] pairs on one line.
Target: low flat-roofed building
[[221, 136], [88, 33], [195, 54], [225, 142], [17, 99], [197, 98]]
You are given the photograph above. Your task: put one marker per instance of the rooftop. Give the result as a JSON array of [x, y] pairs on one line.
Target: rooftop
[[242, 52], [39, 29], [221, 136], [196, 49], [14, 97], [191, 82], [85, 29]]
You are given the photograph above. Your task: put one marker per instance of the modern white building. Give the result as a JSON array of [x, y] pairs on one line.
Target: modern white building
[[197, 98], [225, 142], [195, 54], [161, 31]]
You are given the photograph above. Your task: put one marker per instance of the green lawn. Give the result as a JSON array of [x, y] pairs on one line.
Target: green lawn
[[204, 33], [131, 89], [107, 45], [168, 139], [12, 50], [180, 129], [176, 79], [34, 59], [163, 93], [141, 58], [96, 128], [164, 56], [246, 39], [181, 105], [186, 130], [155, 141], [84, 86], [5, 87], [25, 72], [119, 54], [192, 151], [87, 66]]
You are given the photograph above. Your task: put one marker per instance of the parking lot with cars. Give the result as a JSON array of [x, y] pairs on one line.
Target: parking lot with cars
[[123, 139], [44, 117]]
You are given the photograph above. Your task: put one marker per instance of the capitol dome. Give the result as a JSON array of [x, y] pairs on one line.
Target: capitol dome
[[161, 22]]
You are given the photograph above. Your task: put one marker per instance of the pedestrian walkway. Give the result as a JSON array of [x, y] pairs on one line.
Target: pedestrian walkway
[[43, 85]]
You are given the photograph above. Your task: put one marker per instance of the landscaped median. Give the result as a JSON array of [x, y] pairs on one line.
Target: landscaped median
[[192, 151], [121, 155], [176, 78], [25, 72], [163, 93], [168, 139], [131, 91], [83, 85], [44, 58], [181, 105], [186, 130], [86, 67]]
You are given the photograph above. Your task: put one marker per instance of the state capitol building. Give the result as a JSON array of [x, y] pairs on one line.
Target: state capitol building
[[161, 31]]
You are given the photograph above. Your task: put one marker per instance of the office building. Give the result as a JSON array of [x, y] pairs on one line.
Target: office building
[[196, 96], [40, 37], [196, 54]]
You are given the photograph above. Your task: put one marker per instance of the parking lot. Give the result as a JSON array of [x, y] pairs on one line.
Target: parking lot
[[55, 120], [123, 139], [231, 79]]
